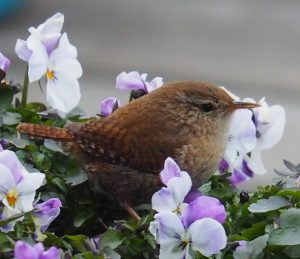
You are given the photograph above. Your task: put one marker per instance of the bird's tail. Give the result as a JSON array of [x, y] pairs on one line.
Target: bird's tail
[[43, 131]]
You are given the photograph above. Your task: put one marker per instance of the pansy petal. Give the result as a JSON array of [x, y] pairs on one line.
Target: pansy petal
[[38, 61], [171, 169], [53, 24], [172, 250], [255, 163], [109, 105], [25, 201], [4, 62], [25, 251], [64, 94], [204, 207], [271, 133], [170, 227], [163, 200], [179, 186], [130, 81], [51, 253], [208, 236], [231, 94], [238, 177], [6, 180], [154, 84], [10, 160], [22, 51], [192, 195], [66, 53], [31, 183]]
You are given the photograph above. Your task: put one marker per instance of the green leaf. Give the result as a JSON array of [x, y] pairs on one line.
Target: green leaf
[[290, 218], [77, 242], [82, 217], [18, 142], [6, 96], [6, 243], [290, 192], [265, 205], [76, 179], [111, 238], [292, 251], [52, 145], [256, 230], [287, 236], [11, 118], [205, 188], [253, 249], [60, 184]]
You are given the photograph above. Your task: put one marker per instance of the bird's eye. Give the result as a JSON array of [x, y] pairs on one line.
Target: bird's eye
[[207, 107]]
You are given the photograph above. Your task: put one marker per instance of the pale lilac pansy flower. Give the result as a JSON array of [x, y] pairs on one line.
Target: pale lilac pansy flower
[[61, 69], [176, 240], [4, 63], [48, 33], [179, 183], [241, 136], [269, 121], [136, 81], [17, 186], [250, 132], [1, 148], [44, 214], [24, 250], [109, 105]]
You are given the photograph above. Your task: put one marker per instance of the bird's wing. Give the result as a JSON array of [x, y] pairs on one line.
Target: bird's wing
[[131, 144]]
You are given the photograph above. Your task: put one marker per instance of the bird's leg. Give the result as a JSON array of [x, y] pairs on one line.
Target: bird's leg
[[130, 211]]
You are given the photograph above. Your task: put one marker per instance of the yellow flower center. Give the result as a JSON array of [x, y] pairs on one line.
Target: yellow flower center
[[12, 197], [50, 74]]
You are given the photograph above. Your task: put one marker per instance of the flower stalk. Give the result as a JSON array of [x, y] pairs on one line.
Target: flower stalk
[[25, 89]]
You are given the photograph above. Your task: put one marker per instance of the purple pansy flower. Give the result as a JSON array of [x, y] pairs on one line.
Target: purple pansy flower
[[25, 251], [176, 240], [204, 207], [46, 212], [192, 195], [4, 63], [136, 81], [109, 105], [48, 33]]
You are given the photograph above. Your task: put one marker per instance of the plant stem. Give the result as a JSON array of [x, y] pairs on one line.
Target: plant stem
[[25, 89]]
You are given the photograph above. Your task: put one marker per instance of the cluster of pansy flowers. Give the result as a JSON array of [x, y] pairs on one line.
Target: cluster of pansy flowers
[[17, 193], [50, 55], [186, 221], [250, 132]]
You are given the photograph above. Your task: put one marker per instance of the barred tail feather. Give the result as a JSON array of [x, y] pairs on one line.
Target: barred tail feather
[[43, 131]]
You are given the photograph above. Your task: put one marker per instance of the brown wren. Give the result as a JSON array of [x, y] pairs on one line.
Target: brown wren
[[124, 152]]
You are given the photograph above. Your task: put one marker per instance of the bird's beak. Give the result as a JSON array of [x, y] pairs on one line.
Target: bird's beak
[[241, 105]]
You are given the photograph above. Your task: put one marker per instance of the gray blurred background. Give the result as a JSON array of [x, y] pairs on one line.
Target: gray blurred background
[[251, 47]]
